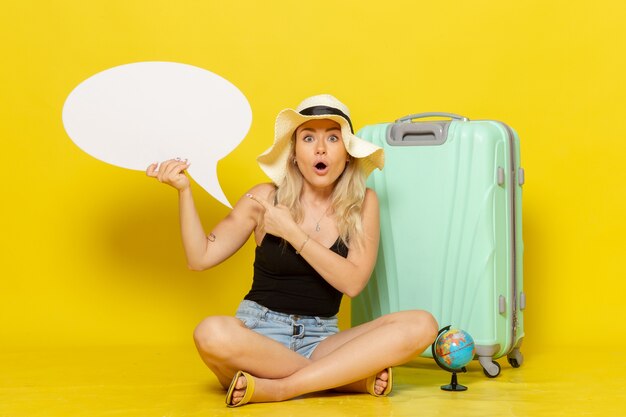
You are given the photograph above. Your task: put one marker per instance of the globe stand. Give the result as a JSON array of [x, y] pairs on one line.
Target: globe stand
[[453, 385]]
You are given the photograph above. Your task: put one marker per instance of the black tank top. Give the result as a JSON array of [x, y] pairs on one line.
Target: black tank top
[[284, 282]]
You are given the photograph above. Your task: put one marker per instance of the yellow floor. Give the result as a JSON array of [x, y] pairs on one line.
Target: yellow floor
[[173, 382]]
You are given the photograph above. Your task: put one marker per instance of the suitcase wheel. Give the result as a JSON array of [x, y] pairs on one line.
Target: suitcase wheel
[[491, 368], [513, 362], [515, 358]]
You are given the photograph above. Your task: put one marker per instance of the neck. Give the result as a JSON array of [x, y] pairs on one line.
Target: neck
[[316, 196]]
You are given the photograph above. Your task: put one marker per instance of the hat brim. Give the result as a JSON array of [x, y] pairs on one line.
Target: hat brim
[[274, 160]]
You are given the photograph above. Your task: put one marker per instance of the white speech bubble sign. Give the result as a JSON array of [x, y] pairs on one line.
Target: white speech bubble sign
[[136, 114]]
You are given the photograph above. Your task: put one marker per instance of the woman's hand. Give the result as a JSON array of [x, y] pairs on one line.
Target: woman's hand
[[171, 172], [277, 219]]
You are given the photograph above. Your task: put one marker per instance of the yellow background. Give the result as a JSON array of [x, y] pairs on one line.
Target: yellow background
[[91, 255]]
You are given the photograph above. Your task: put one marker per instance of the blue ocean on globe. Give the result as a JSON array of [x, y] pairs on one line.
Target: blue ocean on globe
[[455, 348]]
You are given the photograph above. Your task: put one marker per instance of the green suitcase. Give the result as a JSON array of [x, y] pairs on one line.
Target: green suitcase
[[451, 230]]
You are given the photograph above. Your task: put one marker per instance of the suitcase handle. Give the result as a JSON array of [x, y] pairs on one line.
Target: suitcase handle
[[433, 114], [417, 134]]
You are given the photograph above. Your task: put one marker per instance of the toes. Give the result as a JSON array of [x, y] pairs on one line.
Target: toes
[[381, 382], [240, 390], [241, 384], [383, 375], [380, 386]]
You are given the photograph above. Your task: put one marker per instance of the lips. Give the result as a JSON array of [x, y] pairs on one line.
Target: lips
[[320, 168]]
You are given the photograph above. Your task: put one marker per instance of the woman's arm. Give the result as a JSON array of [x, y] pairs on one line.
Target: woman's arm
[[348, 275], [202, 251]]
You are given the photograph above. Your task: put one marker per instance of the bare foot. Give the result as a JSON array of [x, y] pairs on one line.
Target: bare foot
[[381, 382], [263, 391]]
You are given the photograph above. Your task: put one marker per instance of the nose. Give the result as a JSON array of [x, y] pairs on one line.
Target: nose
[[320, 149]]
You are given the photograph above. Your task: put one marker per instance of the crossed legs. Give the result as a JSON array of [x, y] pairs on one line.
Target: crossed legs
[[342, 361]]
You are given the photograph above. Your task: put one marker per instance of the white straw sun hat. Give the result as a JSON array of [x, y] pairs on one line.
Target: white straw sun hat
[[274, 160]]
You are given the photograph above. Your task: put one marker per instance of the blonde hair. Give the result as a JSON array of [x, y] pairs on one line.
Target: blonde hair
[[346, 200]]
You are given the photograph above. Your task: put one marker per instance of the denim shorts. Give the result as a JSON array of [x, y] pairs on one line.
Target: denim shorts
[[301, 334]]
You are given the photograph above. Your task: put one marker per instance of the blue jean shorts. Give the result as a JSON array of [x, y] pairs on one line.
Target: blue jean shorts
[[301, 334]]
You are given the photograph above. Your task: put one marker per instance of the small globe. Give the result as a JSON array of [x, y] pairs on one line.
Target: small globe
[[454, 348]]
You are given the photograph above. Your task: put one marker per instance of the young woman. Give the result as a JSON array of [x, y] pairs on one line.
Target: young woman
[[316, 228]]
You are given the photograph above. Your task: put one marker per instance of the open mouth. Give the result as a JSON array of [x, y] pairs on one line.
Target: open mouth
[[321, 167]]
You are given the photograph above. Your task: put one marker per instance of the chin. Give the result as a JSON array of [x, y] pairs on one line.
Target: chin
[[325, 181]]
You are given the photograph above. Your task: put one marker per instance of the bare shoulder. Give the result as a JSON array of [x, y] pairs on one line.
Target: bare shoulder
[[371, 199], [247, 207], [264, 191], [369, 193]]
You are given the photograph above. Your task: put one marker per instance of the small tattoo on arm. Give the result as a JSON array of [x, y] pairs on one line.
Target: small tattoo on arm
[[211, 237]]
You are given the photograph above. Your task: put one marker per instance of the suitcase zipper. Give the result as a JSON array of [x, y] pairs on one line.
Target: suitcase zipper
[[512, 201]]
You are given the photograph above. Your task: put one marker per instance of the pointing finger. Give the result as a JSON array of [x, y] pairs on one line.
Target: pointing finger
[[263, 203]]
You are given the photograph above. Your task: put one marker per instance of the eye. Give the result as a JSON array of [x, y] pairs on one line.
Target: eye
[[308, 138], [333, 138]]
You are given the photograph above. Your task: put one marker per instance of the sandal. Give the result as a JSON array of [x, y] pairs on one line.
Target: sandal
[[249, 389]]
